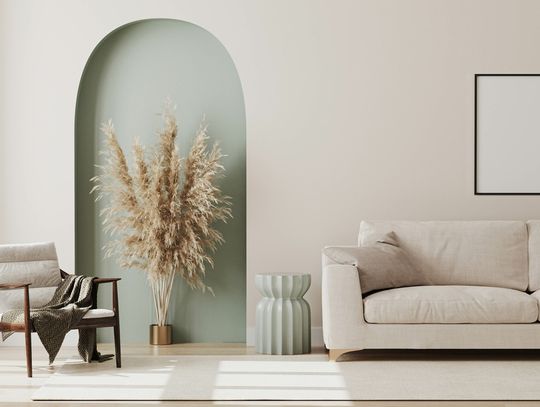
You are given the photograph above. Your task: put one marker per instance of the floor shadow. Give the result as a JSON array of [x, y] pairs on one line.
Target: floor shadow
[[442, 355]]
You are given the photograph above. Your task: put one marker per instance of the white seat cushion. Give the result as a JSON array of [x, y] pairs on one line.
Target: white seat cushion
[[98, 313], [450, 305]]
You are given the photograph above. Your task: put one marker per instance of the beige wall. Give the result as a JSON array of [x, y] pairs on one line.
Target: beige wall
[[355, 109]]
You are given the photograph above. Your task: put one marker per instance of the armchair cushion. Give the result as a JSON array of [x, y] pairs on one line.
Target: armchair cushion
[[14, 299], [34, 263], [98, 313], [450, 305]]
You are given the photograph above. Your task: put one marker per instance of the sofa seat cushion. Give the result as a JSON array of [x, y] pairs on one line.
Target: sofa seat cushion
[[14, 299], [536, 296], [450, 305]]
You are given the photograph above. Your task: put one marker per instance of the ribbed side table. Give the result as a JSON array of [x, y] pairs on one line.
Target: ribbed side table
[[283, 325]]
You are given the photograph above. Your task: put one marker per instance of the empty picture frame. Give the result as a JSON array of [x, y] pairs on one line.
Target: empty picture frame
[[507, 134]]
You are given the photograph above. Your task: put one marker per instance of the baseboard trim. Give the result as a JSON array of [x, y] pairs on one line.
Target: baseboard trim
[[71, 339], [17, 340], [316, 336]]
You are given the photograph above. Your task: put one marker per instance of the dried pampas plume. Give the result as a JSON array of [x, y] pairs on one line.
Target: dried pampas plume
[[161, 213]]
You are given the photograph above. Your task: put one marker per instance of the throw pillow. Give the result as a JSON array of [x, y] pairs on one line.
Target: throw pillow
[[381, 265]]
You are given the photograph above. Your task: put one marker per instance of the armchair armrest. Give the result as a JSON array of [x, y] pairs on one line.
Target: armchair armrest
[[96, 282], [106, 280], [114, 281], [14, 286], [26, 306]]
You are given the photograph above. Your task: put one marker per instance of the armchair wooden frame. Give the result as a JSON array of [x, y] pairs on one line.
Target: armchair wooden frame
[[107, 322]]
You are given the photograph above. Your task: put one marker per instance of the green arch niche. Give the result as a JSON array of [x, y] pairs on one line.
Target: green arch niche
[[127, 79]]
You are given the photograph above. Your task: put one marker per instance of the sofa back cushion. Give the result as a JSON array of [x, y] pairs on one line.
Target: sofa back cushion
[[486, 253], [34, 263]]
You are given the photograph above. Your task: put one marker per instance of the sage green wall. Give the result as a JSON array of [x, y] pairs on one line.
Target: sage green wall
[[127, 78]]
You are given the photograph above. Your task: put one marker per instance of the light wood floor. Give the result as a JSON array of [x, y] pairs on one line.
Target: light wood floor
[[16, 389]]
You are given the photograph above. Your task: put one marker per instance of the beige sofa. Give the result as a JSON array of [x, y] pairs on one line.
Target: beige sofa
[[482, 290]]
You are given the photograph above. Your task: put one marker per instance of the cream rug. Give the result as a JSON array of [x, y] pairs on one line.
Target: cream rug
[[306, 377]]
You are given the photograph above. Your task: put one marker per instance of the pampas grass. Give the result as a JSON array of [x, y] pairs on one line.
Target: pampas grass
[[161, 213]]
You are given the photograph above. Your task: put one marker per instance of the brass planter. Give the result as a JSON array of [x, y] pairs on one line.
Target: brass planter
[[160, 335]]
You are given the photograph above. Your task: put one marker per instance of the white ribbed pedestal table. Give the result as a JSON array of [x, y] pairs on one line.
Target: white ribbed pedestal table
[[283, 325]]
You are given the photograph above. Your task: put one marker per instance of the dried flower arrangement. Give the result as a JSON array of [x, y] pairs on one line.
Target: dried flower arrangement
[[161, 215]]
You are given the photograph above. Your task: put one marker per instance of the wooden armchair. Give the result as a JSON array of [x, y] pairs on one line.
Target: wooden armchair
[[37, 265]]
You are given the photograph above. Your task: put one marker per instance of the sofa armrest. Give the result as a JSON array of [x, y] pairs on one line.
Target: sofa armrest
[[342, 306]]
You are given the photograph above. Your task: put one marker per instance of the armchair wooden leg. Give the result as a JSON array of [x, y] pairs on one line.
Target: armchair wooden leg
[[27, 332], [117, 349], [335, 354], [28, 344]]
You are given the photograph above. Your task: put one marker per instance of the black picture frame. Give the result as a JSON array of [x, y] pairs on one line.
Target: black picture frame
[[476, 76]]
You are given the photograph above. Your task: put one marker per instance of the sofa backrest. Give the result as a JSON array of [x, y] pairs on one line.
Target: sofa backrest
[[488, 253], [34, 263], [533, 226]]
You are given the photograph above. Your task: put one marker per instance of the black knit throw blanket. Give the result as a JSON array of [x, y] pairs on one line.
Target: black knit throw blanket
[[72, 299]]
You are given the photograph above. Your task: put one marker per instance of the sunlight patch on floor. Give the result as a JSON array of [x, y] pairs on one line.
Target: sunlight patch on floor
[[280, 379]]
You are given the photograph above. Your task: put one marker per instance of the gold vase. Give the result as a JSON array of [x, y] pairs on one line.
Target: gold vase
[[160, 334]]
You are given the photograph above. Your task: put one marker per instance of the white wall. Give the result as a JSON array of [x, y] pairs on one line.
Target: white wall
[[355, 109]]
